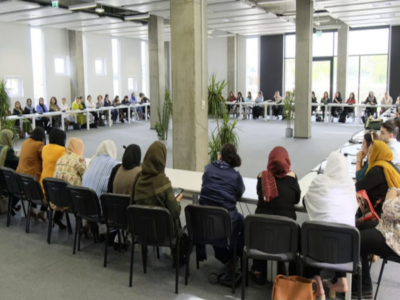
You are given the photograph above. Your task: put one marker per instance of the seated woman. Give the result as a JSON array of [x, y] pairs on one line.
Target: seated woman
[[99, 104], [331, 197], [18, 111], [278, 192], [386, 100], [350, 101], [80, 118], [126, 102], [380, 238], [116, 102], [371, 100], [70, 167], [313, 100], [336, 111], [361, 166], [231, 109], [114, 112], [99, 168], [31, 163], [41, 108], [69, 119], [325, 101], [124, 175], [153, 187], [8, 158], [91, 104], [277, 109], [50, 155], [222, 187], [247, 108], [29, 109], [56, 121], [138, 110], [379, 176]]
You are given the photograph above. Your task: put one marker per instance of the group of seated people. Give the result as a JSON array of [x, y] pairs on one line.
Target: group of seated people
[[330, 198], [78, 121]]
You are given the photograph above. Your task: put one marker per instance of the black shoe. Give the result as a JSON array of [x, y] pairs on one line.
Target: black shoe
[[258, 278], [59, 224], [365, 295]]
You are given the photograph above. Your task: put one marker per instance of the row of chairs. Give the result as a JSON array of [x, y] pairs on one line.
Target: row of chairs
[[323, 245]]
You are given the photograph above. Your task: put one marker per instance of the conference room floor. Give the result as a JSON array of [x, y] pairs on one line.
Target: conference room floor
[[32, 269]]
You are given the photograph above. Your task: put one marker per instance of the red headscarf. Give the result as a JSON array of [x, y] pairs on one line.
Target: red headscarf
[[278, 167]]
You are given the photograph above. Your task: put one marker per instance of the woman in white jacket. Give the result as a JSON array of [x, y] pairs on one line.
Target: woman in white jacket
[[386, 100]]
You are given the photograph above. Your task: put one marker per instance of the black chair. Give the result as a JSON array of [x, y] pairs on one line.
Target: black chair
[[272, 238], [209, 225], [114, 212], [332, 246], [57, 193], [33, 193], [395, 259], [153, 226], [14, 189], [86, 205]]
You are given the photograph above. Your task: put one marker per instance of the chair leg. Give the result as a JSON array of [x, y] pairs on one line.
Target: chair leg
[[144, 257], [244, 275], [197, 259], [80, 234], [119, 240], [177, 246], [76, 232], [28, 218], [246, 269], [158, 252], [68, 223], [131, 268], [359, 285], [234, 269], [50, 226], [106, 247], [187, 266], [23, 206], [380, 277], [10, 201]]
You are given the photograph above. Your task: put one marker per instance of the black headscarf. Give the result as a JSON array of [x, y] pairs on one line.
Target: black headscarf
[[57, 137], [38, 134], [132, 156]]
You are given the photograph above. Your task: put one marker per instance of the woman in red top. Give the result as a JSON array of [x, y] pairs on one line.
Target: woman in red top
[[231, 109], [350, 101]]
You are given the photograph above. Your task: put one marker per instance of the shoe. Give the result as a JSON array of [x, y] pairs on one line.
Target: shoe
[[41, 215], [322, 297], [33, 214], [59, 224], [86, 231], [17, 208], [365, 295], [332, 293], [258, 278], [373, 258]]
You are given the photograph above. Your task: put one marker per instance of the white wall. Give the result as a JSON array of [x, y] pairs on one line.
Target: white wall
[[217, 58], [56, 45], [99, 47], [131, 65], [241, 65], [15, 57]]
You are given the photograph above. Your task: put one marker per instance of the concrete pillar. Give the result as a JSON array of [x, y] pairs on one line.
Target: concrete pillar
[[156, 67], [304, 32], [343, 38], [167, 65], [232, 63], [189, 83], [76, 69]]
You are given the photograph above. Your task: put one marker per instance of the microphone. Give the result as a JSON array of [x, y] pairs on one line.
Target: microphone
[[352, 141]]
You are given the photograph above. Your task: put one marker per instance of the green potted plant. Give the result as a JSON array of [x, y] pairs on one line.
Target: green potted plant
[[225, 132], [288, 111], [5, 104], [163, 120]]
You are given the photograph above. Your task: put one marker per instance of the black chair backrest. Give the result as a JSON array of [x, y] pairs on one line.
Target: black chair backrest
[[56, 191], [11, 180], [84, 201], [31, 187], [151, 225], [114, 209], [208, 224], [271, 234], [331, 243]]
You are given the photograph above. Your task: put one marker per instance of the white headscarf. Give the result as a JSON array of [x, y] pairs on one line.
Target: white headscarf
[[332, 195], [107, 147]]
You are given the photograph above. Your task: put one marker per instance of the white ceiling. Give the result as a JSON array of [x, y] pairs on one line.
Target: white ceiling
[[244, 17]]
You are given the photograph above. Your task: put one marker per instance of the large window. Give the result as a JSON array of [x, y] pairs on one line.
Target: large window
[[252, 62], [39, 78], [116, 67], [14, 86]]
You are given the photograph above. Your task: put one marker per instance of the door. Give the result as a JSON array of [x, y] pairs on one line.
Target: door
[[322, 76]]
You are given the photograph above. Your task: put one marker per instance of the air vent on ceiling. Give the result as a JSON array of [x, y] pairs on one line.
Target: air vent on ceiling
[[385, 4]]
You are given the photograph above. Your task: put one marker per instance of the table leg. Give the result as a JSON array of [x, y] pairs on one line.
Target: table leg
[[145, 112], [87, 121], [129, 114], [265, 112], [240, 110], [359, 115], [33, 123], [62, 122], [270, 112], [109, 118]]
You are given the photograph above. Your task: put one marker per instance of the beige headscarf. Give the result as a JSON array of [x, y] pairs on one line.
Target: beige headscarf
[[6, 140], [75, 146], [107, 147]]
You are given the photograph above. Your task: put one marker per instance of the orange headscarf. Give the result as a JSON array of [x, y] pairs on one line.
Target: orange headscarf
[[75, 146], [381, 156]]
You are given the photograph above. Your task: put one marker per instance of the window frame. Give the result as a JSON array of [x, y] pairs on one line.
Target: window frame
[[64, 58], [104, 66], [20, 85]]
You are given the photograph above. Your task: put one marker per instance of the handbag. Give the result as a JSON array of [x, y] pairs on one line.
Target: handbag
[[294, 288], [373, 124], [366, 207]]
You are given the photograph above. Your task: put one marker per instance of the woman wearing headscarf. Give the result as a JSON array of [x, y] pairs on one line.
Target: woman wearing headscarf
[[100, 166], [380, 176], [77, 105], [50, 155], [361, 168], [124, 175], [70, 167], [133, 101], [331, 197], [153, 187], [337, 100], [277, 109], [278, 192], [371, 100], [41, 108], [8, 158], [29, 109], [30, 160], [54, 107], [386, 100], [18, 111]]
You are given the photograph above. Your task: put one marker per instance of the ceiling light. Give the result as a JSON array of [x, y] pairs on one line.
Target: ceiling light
[[273, 1], [100, 10], [137, 17], [210, 31], [226, 20], [381, 4], [82, 6], [323, 27], [225, 35]]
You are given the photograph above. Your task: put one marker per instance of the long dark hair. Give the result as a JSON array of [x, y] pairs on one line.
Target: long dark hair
[[230, 156]]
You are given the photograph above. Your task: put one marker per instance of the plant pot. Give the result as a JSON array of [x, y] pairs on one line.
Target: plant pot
[[289, 132], [165, 142]]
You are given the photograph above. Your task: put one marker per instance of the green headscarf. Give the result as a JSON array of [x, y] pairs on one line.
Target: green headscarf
[[152, 180], [6, 140]]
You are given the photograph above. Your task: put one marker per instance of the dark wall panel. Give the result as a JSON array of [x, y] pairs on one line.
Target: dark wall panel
[[271, 65], [395, 63]]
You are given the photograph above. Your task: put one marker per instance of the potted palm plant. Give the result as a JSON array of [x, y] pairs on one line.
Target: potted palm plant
[[4, 105], [288, 111], [163, 120]]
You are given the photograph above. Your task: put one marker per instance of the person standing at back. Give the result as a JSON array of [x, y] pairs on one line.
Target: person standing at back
[[389, 132]]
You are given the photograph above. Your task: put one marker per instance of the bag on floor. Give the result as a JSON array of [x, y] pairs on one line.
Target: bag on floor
[[294, 288], [318, 119], [373, 124], [257, 112], [342, 118], [76, 126]]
